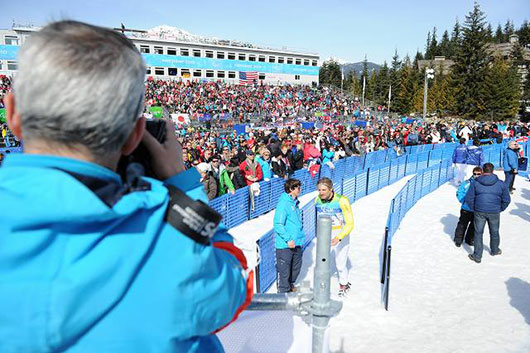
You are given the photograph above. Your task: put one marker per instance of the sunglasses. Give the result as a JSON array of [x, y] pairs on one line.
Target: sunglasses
[[477, 173]]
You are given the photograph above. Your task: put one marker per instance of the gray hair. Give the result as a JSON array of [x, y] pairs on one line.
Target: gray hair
[[79, 84]]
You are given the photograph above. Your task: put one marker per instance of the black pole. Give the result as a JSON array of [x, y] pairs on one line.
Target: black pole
[[383, 272], [388, 279]]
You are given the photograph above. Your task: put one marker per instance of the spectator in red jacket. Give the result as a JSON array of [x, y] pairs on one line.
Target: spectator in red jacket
[[251, 169]]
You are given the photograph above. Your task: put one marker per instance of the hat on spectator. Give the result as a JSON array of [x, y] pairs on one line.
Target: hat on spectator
[[203, 167], [249, 152]]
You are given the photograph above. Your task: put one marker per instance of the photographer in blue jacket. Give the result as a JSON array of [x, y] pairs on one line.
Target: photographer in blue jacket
[[90, 262]]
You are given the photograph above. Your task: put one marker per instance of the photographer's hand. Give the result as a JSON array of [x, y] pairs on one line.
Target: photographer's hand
[[166, 158]]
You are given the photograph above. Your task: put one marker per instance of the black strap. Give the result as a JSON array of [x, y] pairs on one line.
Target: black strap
[[193, 218]]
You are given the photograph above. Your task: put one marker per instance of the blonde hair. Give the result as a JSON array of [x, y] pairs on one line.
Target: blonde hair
[[326, 182]]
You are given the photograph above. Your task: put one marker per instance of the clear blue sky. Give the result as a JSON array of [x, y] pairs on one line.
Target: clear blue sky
[[346, 29]]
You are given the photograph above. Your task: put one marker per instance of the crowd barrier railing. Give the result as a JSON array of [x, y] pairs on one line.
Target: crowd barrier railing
[[424, 182], [354, 182]]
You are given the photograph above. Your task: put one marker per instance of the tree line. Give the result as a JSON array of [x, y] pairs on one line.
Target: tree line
[[478, 86]]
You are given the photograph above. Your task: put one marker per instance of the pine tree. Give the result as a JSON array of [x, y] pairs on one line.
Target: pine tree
[[489, 33], [455, 39], [428, 54], [434, 44], [330, 73], [445, 45], [508, 30], [503, 90], [470, 66], [524, 34], [394, 76], [499, 36]]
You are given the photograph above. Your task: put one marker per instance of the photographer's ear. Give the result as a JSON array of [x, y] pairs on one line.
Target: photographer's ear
[[134, 138], [13, 117]]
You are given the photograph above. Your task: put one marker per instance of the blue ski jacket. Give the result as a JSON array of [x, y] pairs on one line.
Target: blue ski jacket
[[85, 269]]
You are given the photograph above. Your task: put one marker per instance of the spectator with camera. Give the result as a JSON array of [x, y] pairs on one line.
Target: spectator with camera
[[97, 262]]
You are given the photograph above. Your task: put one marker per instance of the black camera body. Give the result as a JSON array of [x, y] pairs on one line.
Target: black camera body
[[157, 128]]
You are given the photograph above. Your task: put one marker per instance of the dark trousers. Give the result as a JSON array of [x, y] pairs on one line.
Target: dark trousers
[[509, 178], [465, 227], [493, 220], [288, 265]]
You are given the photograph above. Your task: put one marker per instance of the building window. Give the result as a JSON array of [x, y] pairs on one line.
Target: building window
[[220, 55], [231, 74], [272, 59], [196, 53], [159, 71], [289, 61], [185, 73], [12, 65], [220, 74], [172, 71], [281, 60], [171, 51], [231, 56], [251, 57], [296, 77], [261, 76], [315, 63], [144, 49], [159, 50], [261, 58], [209, 53], [148, 71], [197, 73], [306, 62], [241, 57], [209, 73], [11, 40], [298, 61], [184, 52]]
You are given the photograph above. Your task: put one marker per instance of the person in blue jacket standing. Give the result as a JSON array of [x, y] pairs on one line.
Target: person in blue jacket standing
[[465, 228], [290, 236], [459, 159], [510, 163], [90, 262], [475, 155], [264, 160], [487, 197]]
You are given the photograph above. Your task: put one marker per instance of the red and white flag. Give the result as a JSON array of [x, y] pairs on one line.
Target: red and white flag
[[180, 118]]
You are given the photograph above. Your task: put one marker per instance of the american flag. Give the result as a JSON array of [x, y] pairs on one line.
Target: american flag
[[248, 77]]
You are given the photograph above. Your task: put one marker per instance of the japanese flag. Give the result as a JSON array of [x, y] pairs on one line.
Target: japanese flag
[[180, 118]]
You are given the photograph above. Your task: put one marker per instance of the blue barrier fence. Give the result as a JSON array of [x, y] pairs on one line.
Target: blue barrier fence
[[425, 182], [350, 178]]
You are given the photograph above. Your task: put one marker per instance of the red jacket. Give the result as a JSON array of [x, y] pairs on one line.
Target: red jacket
[[246, 171]]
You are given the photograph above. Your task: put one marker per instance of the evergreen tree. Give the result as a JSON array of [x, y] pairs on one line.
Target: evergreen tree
[[445, 45], [470, 66], [383, 81], [499, 36], [503, 90], [489, 33], [509, 29], [524, 34], [394, 77], [434, 44], [455, 39], [525, 97], [428, 47], [330, 73]]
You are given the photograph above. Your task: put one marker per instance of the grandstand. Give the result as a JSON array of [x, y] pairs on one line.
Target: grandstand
[[170, 53]]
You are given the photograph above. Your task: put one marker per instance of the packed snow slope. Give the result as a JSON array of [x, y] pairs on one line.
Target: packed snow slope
[[440, 301]]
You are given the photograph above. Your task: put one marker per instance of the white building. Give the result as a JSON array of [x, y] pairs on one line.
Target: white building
[[173, 54]]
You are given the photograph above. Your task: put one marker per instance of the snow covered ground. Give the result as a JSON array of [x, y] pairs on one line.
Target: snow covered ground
[[440, 301]]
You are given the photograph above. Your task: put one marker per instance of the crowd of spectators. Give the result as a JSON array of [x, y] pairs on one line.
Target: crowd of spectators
[[227, 161], [240, 101]]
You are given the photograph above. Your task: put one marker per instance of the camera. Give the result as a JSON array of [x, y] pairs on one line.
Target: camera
[[141, 155]]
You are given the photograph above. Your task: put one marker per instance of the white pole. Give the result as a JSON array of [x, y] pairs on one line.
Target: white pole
[[389, 96]]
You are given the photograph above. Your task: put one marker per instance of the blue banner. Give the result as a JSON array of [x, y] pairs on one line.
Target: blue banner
[[190, 62], [8, 52]]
